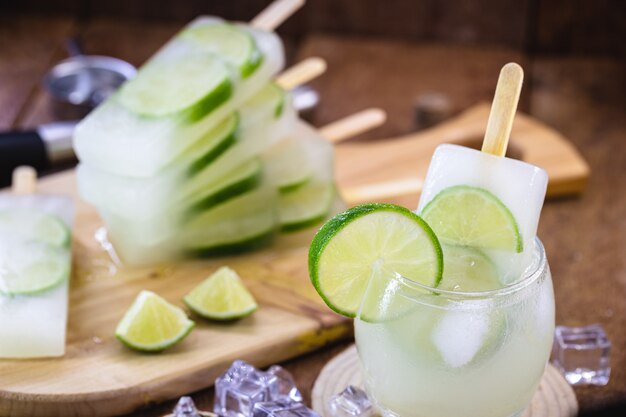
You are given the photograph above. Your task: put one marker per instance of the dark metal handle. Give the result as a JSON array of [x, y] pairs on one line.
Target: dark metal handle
[[21, 148]]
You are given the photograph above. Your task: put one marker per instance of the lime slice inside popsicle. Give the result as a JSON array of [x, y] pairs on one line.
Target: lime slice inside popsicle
[[474, 217], [25, 224]]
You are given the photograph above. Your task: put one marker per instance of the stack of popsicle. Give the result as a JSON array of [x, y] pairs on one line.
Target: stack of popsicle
[[202, 152]]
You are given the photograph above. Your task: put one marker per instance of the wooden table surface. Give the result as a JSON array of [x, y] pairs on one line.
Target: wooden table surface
[[585, 237]]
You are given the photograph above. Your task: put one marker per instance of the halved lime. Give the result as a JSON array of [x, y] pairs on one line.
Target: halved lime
[[222, 296], [234, 45], [305, 206], [31, 267], [151, 324], [355, 248], [472, 216], [29, 224], [467, 269], [194, 84]]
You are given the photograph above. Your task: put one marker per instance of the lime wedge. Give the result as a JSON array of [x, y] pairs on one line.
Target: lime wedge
[[151, 324], [472, 216], [222, 296], [25, 224], [467, 269], [351, 250], [194, 84], [234, 45], [31, 267], [305, 206]]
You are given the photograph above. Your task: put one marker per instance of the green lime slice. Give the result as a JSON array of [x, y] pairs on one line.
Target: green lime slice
[[151, 324], [243, 178], [28, 224], [31, 267], [305, 206], [355, 248], [467, 269], [231, 43], [269, 96], [472, 216], [287, 165], [213, 144], [222, 296], [193, 84]]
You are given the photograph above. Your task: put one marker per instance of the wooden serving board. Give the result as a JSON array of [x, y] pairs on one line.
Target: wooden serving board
[[408, 157], [100, 377]]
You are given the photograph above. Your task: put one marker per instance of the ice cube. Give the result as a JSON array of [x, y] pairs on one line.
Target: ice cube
[[283, 409], [242, 386], [282, 387], [460, 334], [185, 408], [351, 402], [582, 354]]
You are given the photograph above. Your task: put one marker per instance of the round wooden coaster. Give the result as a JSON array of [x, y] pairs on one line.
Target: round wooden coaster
[[554, 397]]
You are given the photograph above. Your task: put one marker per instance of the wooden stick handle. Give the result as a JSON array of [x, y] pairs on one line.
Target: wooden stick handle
[[301, 73], [275, 14], [381, 190], [503, 109], [24, 180], [354, 124]]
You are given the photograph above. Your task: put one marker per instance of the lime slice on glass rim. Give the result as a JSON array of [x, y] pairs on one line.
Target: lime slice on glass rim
[[32, 267], [193, 85], [355, 251], [151, 324], [234, 45], [472, 216], [28, 224], [222, 296]]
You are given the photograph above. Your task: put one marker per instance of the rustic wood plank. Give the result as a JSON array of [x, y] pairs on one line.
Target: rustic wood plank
[[391, 75], [27, 48]]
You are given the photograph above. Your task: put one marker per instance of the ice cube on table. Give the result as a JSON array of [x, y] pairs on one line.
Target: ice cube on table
[[520, 186], [33, 325], [282, 409], [185, 408], [582, 354], [351, 402], [115, 140], [242, 386]]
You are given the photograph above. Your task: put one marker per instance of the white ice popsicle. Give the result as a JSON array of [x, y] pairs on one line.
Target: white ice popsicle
[[35, 264], [115, 139], [520, 186]]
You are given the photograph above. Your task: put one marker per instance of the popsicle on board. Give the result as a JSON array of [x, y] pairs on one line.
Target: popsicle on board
[[35, 266]]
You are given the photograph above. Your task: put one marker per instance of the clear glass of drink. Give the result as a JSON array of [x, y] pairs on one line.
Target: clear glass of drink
[[427, 352]]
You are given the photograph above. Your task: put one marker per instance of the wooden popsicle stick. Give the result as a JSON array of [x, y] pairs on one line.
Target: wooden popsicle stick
[[24, 180], [381, 190], [275, 14], [301, 73], [503, 109], [352, 125]]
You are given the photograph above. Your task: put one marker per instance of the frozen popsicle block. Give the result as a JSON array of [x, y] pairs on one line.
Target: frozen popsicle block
[[178, 185], [35, 264], [520, 186], [114, 138]]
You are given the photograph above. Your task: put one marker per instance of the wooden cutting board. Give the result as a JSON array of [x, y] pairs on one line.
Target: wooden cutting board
[[100, 377], [364, 168]]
